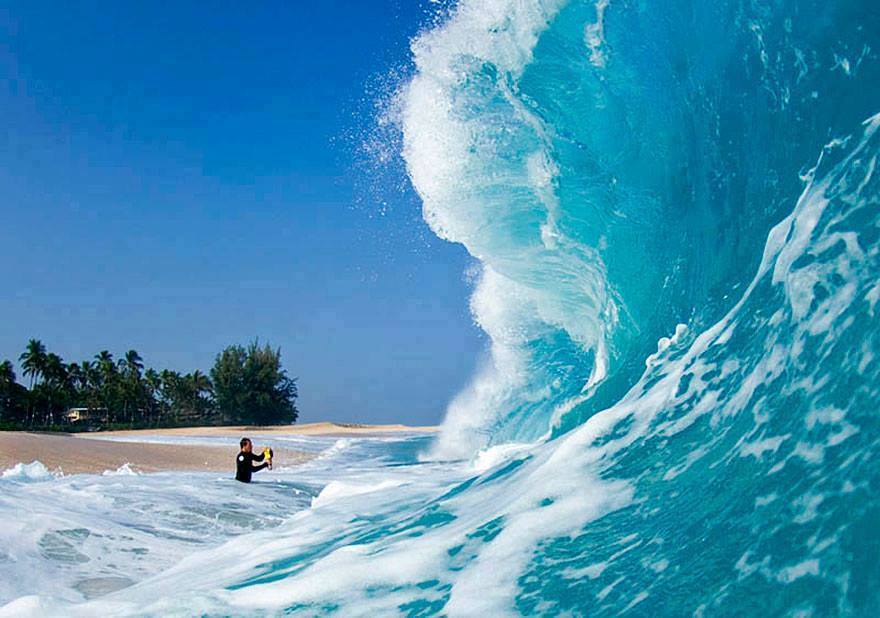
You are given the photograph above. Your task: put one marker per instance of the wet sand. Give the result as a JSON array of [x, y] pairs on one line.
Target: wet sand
[[74, 454], [304, 429], [89, 453]]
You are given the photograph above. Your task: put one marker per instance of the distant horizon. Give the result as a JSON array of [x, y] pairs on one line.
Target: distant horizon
[[310, 418], [24, 380]]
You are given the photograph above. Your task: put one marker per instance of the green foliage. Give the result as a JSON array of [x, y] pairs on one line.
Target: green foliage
[[247, 385], [13, 396], [251, 387]]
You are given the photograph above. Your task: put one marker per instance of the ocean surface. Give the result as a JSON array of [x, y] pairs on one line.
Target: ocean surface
[[675, 209]]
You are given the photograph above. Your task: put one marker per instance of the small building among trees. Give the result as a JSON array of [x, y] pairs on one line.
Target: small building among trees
[[86, 415]]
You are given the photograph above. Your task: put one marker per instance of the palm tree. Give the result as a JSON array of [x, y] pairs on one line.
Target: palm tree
[[200, 390], [77, 383], [55, 370], [56, 382], [8, 395], [153, 380], [171, 391], [133, 364], [153, 383], [91, 384], [109, 387], [91, 375], [131, 367], [200, 382], [77, 377], [105, 362], [7, 373], [33, 361]]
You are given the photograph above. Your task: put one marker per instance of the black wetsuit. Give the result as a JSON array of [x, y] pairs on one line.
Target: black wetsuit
[[244, 466]]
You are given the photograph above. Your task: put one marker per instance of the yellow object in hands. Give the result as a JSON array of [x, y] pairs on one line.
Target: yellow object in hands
[[267, 453]]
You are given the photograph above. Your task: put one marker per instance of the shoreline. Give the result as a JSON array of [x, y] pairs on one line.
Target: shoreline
[[75, 455], [323, 428], [93, 453]]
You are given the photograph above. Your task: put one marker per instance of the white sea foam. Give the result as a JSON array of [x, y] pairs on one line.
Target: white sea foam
[[336, 490], [493, 456], [594, 35], [534, 279], [792, 573], [123, 470], [34, 471]]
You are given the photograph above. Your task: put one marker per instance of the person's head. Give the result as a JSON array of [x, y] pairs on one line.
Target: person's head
[[246, 446]]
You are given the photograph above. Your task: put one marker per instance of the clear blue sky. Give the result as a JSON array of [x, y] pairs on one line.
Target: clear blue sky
[[176, 177]]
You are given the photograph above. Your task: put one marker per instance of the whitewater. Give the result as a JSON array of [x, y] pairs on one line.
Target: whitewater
[[675, 211]]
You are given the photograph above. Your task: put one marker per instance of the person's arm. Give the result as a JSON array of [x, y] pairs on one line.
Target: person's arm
[[259, 457], [260, 467]]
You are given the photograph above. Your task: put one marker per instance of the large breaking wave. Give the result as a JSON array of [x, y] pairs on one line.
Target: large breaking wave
[[675, 209], [615, 167]]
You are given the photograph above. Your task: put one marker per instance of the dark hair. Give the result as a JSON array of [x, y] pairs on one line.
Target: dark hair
[[243, 442]]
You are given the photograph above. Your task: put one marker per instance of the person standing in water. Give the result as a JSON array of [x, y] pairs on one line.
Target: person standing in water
[[244, 463]]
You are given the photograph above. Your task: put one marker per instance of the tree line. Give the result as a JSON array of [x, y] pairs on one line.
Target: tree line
[[247, 385]]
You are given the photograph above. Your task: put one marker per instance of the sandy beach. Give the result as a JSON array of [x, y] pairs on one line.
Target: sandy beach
[[92, 453], [304, 429]]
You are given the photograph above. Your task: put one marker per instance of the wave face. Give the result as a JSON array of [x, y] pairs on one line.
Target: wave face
[[676, 207], [615, 167]]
